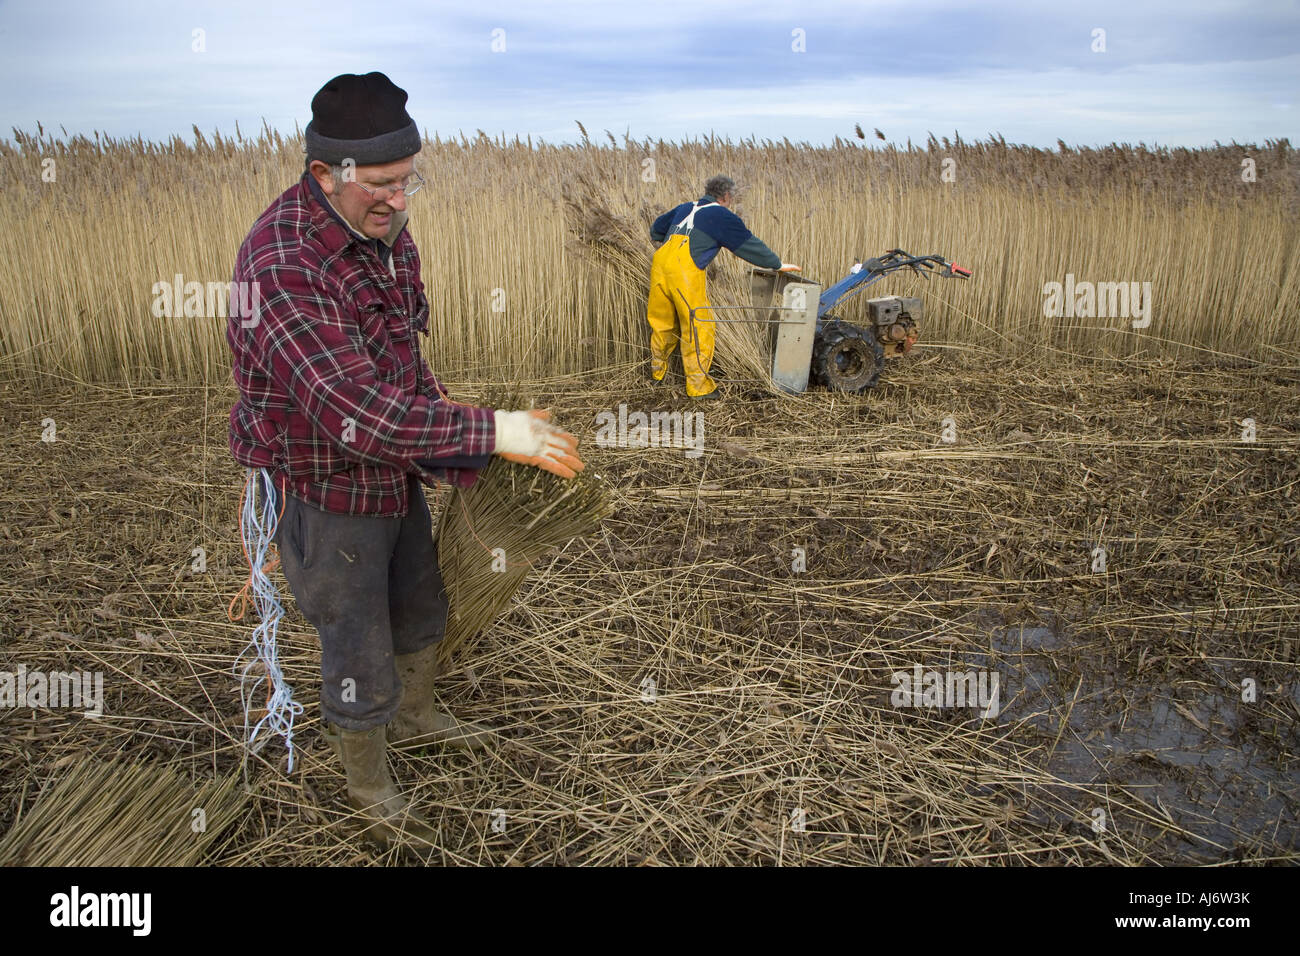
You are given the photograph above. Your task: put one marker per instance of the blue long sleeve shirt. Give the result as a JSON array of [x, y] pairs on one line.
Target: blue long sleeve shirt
[[716, 228]]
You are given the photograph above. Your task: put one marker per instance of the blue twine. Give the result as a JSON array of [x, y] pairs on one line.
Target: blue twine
[[258, 531]]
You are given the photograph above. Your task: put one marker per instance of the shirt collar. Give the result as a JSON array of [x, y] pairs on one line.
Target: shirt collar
[[381, 247]]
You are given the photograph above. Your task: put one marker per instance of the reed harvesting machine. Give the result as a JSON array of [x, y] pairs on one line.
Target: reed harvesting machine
[[809, 344]]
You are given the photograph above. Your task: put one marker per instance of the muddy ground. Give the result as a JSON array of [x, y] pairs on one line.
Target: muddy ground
[[1147, 691]]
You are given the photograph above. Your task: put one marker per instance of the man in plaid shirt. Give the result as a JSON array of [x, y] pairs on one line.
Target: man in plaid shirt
[[337, 403]]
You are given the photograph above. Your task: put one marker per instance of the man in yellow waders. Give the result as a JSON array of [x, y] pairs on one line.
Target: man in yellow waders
[[692, 234]]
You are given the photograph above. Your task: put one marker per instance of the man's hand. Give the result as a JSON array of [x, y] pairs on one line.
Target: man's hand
[[787, 267], [529, 438]]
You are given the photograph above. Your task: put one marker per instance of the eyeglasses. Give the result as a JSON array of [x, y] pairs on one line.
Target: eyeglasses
[[410, 187]]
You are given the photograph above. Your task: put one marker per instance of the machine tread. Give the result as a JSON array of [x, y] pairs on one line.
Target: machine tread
[[836, 338]]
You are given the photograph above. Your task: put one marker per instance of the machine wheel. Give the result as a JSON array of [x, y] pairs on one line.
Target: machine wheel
[[845, 357]]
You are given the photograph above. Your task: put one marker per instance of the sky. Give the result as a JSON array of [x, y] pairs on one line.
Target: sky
[[1185, 73]]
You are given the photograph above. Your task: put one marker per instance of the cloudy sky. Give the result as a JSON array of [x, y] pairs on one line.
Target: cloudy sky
[[1172, 72]]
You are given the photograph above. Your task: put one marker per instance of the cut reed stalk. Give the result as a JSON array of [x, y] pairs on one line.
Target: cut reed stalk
[[492, 534]]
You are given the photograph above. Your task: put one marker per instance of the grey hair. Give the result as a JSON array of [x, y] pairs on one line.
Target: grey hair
[[719, 186], [342, 174]]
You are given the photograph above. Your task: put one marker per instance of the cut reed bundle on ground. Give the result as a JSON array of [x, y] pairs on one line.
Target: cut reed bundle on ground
[[107, 813], [490, 536]]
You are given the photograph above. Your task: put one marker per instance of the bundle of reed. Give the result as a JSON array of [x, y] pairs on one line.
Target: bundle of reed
[[492, 534], [617, 244], [107, 813]]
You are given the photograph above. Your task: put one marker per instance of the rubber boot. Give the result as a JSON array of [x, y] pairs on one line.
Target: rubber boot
[[372, 793], [417, 721]]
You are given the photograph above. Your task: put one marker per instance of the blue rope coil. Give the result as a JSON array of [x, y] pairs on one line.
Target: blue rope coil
[[260, 657]]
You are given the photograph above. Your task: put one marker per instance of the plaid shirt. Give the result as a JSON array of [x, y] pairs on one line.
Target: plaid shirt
[[334, 396]]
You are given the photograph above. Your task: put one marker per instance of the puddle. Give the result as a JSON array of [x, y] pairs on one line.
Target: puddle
[[1191, 749]]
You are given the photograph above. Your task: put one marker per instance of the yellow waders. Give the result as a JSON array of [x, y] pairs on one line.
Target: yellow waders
[[677, 285]]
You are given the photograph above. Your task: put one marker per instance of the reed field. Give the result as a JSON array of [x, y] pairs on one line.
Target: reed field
[[85, 250], [708, 676]]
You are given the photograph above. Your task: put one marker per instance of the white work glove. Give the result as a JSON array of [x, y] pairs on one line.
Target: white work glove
[[529, 438], [787, 267]]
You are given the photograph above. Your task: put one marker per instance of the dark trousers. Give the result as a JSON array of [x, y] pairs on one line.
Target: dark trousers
[[372, 588]]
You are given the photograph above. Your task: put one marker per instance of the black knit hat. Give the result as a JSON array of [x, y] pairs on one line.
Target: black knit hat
[[362, 118]]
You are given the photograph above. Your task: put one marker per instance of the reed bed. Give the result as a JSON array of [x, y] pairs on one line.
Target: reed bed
[[506, 223], [670, 689]]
